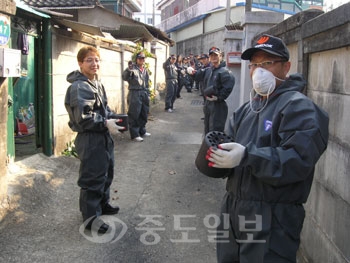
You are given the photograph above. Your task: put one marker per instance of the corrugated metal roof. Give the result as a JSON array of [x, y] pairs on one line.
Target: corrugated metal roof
[[144, 30], [52, 4], [131, 32], [90, 29], [53, 13]]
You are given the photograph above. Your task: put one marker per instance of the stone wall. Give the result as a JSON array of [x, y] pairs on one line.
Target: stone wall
[[320, 44]]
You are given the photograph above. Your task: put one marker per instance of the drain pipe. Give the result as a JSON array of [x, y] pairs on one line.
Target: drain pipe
[[155, 78], [122, 81], [46, 98]]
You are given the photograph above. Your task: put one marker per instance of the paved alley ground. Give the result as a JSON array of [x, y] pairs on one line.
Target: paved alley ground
[[168, 208]]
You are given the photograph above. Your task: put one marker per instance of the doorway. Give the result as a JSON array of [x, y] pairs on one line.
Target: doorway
[[23, 95]]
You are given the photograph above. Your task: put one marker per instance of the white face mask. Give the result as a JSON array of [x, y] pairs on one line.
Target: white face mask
[[264, 82]]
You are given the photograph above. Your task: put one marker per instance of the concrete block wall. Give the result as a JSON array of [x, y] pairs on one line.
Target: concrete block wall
[[320, 44]]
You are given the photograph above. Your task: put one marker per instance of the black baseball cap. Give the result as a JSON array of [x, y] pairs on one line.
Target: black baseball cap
[[270, 44], [215, 50], [140, 55], [203, 56]]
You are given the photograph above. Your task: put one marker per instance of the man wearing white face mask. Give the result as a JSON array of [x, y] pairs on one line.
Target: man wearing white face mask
[[279, 135]]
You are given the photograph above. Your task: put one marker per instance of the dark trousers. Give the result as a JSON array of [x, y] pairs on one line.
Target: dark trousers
[[258, 232], [138, 102], [96, 154], [179, 88], [171, 89], [215, 114]]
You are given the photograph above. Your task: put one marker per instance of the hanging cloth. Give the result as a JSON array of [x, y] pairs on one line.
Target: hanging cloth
[[22, 43]]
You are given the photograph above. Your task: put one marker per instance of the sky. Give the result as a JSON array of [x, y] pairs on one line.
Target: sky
[[332, 4]]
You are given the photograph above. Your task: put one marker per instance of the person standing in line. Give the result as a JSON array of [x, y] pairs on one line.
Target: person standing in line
[[205, 64], [171, 75], [138, 97], [180, 67], [184, 76], [279, 135], [198, 65], [91, 117], [218, 85], [201, 75], [194, 64]]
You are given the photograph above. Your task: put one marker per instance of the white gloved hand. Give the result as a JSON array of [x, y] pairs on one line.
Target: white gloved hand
[[212, 98], [190, 70], [112, 126], [228, 155]]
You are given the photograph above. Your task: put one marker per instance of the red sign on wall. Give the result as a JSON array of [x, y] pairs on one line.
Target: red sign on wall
[[233, 58]]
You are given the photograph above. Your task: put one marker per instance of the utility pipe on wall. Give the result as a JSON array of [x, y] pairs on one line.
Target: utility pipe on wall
[[228, 12], [47, 122]]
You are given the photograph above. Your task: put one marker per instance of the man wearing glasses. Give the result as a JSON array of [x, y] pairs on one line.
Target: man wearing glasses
[[279, 135], [92, 119]]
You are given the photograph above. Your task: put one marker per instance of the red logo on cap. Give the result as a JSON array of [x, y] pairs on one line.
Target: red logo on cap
[[263, 40]]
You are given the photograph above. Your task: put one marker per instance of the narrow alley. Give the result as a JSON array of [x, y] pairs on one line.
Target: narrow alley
[[168, 208]]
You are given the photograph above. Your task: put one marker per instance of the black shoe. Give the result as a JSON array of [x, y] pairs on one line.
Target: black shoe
[[98, 225], [110, 210]]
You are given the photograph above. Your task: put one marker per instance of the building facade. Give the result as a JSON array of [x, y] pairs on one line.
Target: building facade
[[123, 7], [177, 12], [149, 14]]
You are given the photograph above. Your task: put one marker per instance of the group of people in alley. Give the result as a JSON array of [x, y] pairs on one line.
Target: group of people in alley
[[277, 138], [208, 74]]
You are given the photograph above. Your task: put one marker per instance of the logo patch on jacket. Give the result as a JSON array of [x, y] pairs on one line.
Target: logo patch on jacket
[[268, 125]]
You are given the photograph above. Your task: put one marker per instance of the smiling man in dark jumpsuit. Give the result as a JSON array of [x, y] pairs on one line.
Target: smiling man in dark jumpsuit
[[92, 119], [278, 138]]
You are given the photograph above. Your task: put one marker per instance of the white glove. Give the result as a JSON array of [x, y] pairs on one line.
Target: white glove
[[212, 98], [228, 155], [112, 126], [190, 70]]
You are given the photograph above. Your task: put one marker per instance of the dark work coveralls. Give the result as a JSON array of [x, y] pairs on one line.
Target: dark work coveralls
[[221, 82], [202, 73], [266, 192], [171, 75], [86, 104], [138, 99], [180, 79]]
